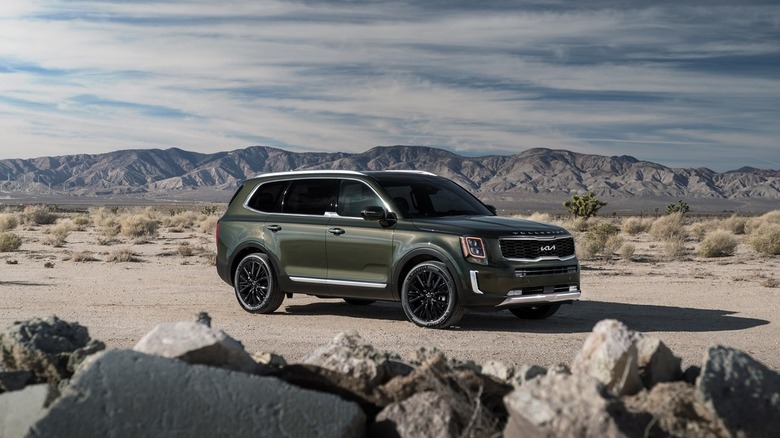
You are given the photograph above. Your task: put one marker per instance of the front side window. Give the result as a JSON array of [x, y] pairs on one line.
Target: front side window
[[431, 198], [310, 196], [354, 197]]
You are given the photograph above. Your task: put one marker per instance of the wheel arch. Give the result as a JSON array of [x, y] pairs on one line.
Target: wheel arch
[[246, 248], [414, 258]]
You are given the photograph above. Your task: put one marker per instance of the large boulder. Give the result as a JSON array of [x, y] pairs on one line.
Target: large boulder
[[350, 354], [20, 409], [569, 405], [741, 391], [124, 393], [425, 414], [196, 343], [45, 346], [656, 361], [610, 355], [14, 380]]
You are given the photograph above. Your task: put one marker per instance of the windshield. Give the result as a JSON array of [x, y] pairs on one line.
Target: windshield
[[431, 197]]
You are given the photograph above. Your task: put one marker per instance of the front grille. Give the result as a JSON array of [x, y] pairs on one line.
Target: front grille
[[532, 272], [532, 249]]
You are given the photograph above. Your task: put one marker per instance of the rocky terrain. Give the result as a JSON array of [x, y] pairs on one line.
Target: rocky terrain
[[188, 379], [534, 172]]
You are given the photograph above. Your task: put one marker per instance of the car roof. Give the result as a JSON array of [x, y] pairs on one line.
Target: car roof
[[343, 172]]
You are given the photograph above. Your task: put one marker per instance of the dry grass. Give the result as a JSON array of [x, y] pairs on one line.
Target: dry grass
[[10, 242], [735, 224], [81, 222], [627, 251], [718, 243], [674, 247], [668, 227], [123, 255], [38, 215], [208, 224], [57, 235], [138, 226], [765, 239], [83, 256], [8, 222], [636, 225]]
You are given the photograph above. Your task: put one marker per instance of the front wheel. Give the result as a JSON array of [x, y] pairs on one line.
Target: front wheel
[[255, 286], [429, 296], [535, 312]]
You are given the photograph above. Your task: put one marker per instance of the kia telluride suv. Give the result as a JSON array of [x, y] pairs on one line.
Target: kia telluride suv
[[405, 236]]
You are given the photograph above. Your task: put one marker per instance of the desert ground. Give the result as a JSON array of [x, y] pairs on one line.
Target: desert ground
[[122, 271]]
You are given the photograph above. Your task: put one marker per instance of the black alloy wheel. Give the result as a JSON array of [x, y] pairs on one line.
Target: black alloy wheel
[[256, 290], [429, 296]]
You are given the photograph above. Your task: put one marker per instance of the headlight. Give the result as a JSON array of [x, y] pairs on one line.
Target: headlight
[[474, 249]]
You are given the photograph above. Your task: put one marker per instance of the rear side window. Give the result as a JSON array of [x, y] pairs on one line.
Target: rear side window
[[268, 197], [354, 197], [311, 196]]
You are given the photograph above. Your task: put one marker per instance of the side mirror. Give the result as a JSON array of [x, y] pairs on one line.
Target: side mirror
[[492, 209], [379, 214], [373, 213]]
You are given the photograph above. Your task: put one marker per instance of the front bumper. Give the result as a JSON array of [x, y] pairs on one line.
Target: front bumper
[[567, 292]]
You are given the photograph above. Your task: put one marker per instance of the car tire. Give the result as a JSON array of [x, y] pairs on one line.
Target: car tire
[[358, 301], [429, 296], [535, 312], [255, 285]]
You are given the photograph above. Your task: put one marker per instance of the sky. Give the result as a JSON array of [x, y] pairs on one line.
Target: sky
[[681, 83]]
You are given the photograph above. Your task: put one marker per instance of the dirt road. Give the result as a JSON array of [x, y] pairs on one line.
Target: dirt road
[[688, 304]]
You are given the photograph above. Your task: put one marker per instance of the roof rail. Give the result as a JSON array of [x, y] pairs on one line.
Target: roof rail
[[309, 172]]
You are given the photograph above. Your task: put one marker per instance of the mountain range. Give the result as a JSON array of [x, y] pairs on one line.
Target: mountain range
[[532, 172]]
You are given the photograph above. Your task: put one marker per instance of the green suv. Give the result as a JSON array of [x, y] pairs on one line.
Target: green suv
[[405, 236]]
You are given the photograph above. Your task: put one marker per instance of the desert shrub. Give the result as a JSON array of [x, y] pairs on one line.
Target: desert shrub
[[770, 282], [735, 224], [208, 224], [719, 243], [208, 210], [138, 226], [579, 224], [83, 256], [180, 221], [668, 227], [698, 230], [57, 235], [674, 247], [773, 217], [38, 215], [81, 222], [601, 238], [627, 251], [10, 242], [8, 222], [635, 225], [122, 255], [766, 239], [585, 206], [185, 249]]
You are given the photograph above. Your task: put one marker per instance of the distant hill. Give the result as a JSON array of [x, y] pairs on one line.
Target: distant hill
[[534, 171]]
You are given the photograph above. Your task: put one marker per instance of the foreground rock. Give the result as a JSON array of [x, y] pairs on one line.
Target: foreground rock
[[48, 348], [196, 343], [20, 409], [124, 393], [571, 406], [741, 391]]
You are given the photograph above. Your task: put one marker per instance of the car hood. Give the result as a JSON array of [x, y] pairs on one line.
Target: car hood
[[488, 226]]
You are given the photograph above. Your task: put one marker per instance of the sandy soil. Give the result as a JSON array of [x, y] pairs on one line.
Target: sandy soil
[[689, 304]]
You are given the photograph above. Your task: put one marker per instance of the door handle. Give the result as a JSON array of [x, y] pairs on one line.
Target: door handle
[[273, 228], [336, 231]]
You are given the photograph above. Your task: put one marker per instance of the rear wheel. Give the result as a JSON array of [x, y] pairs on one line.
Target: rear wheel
[[358, 302], [429, 296], [535, 312], [255, 286]]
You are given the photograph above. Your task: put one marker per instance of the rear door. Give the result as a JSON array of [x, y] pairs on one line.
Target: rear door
[[297, 234]]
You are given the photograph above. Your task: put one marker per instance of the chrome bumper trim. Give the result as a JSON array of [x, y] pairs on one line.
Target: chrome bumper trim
[[539, 298]]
